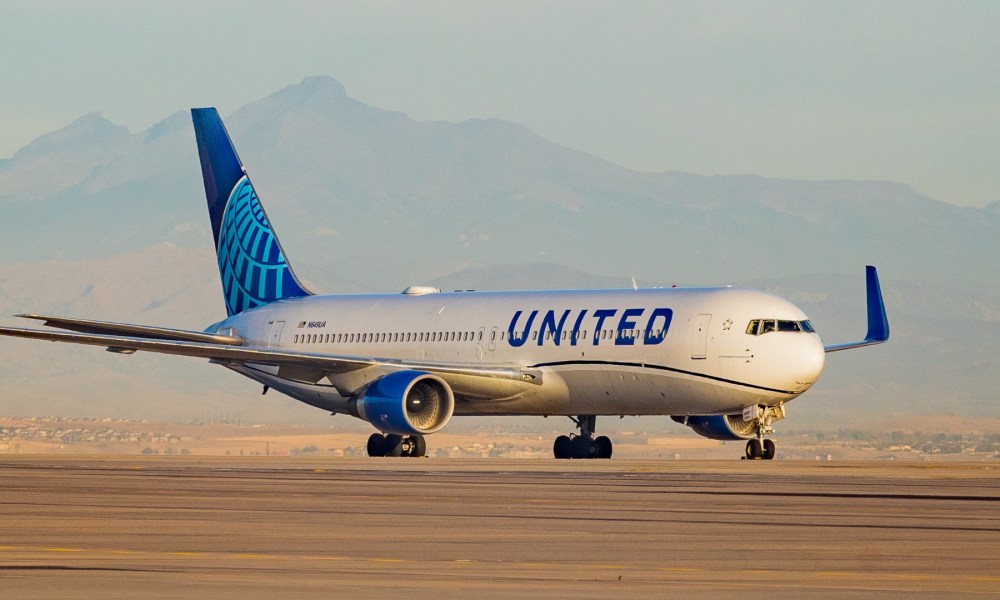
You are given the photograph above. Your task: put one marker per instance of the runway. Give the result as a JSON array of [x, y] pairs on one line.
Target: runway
[[217, 528]]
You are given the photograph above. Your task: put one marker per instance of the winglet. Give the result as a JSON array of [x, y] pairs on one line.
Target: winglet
[[878, 323]]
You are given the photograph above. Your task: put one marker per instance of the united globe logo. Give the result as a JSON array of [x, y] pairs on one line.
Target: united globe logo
[[252, 266]]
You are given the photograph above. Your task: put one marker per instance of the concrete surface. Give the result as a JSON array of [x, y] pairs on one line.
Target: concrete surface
[[97, 527]]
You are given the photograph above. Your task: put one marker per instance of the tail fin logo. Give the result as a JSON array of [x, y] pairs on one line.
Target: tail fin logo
[[253, 269]]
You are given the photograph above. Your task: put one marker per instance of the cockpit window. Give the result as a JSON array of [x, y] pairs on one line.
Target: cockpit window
[[762, 326], [788, 326]]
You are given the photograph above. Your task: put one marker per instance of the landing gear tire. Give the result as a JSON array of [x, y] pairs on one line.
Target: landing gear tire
[[768, 450], [418, 446], [376, 444], [604, 447], [583, 448], [393, 445], [754, 450], [563, 447]]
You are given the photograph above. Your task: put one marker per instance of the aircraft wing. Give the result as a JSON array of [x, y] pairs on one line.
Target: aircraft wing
[[225, 351], [135, 331], [878, 323]]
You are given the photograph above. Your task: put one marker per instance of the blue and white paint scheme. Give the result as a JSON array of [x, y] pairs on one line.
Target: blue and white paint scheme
[[723, 361]]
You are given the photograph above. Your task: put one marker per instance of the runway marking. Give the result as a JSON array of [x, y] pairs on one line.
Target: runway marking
[[744, 573]]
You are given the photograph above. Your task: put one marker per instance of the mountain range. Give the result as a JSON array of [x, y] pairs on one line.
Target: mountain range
[[104, 223]]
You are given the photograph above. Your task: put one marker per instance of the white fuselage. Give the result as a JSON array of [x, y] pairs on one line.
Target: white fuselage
[[678, 351]]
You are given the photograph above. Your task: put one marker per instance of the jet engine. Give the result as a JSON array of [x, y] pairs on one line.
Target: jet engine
[[720, 427], [407, 403]]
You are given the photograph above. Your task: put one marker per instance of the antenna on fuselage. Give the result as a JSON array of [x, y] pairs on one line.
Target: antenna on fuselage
[[635, 286]]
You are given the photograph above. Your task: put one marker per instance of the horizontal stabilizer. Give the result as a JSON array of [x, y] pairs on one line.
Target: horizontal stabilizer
[[878, 323]]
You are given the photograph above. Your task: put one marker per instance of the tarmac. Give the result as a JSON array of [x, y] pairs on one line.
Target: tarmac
[[194, 527]]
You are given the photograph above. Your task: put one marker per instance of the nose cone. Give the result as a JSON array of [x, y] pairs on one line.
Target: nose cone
[[805, 362]]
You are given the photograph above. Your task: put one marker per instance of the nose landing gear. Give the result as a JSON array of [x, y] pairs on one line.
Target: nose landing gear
[[760, 448], [584, 444]]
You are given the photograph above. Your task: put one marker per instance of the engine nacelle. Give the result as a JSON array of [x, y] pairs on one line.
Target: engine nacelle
[[720, 427], [407, 403]]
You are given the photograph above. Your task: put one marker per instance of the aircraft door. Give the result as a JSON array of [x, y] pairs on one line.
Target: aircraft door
[[699, 337], [487, 349], [274, 335]]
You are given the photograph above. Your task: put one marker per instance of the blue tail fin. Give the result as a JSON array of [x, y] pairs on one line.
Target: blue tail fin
[[251, 262]]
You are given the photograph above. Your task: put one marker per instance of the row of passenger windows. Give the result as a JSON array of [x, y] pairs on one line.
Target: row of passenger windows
[[453, 336], [762, 326], [366, 338]]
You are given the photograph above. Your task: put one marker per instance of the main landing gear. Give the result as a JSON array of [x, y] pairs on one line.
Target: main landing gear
[[381, 444], [583, 445]]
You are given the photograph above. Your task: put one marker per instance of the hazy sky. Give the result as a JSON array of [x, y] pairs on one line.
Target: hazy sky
[[906, 91]]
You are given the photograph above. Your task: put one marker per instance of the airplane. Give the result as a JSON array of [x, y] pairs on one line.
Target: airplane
[[723, 361]]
